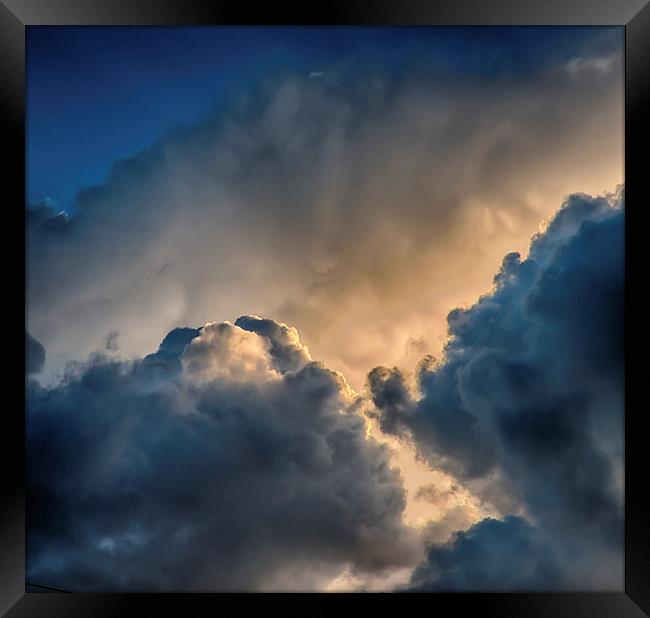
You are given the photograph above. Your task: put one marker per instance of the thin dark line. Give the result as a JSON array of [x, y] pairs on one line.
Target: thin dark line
[[45, 587]]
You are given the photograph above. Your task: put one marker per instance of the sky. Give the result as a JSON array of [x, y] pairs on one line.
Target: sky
[[98, 95], [325, 308]]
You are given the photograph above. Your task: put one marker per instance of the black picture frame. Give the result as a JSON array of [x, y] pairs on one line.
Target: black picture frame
[[16, 15]]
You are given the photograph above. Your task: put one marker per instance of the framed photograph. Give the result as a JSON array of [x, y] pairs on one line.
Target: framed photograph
[[332, 302]]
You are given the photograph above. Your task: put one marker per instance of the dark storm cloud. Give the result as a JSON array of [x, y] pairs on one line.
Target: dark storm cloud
[[528, 403], [493, 554], [202, 467], [168, 355], [390, 396]]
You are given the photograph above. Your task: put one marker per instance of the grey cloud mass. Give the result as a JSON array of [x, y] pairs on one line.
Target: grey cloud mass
[[226, 460], [322, 202], [526, 408]]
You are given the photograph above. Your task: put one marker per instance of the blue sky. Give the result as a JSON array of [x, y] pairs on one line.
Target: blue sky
[[97, 95]]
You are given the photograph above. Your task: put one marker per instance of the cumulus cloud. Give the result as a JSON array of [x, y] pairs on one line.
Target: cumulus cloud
[[323, 203], [526, 409], [226, 460]]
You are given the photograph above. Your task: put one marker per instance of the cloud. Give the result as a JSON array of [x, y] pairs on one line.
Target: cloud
[[526, 410], [323, 203], [231, 354], [492, 555], [577, 67], [34, 355], [226, 460], [111, 341], [359, 208], [287, 352]]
